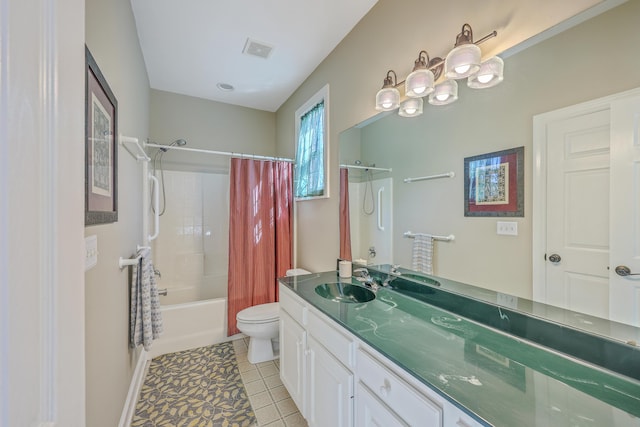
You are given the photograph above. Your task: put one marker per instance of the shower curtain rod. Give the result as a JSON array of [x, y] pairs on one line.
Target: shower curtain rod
[[366, 167], [221, 153]]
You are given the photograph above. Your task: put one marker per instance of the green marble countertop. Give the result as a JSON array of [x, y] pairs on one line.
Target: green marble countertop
[[499, 379]]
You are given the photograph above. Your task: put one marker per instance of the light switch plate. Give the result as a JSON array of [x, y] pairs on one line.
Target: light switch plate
[[90, 252], [509, 228]]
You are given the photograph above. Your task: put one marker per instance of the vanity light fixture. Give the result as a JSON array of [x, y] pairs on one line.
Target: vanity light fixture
[[489, 74], [411, 107], [444, 93], [464, 61], [388, 98], [421, 80]]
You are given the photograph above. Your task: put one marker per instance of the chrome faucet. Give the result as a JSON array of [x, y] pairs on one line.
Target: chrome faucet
[[362, 275], [392, 275]]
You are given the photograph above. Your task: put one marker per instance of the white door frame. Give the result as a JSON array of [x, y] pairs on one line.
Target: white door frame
[[42, 378], [539, 220]]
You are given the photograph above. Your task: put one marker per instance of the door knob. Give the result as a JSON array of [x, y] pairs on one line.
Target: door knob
[[623, 270], [555, 258]]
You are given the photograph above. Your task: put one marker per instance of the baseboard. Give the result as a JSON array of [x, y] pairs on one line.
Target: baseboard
[[134, 389]]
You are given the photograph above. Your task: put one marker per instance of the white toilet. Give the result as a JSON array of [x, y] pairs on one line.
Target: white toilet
[[261, 323]]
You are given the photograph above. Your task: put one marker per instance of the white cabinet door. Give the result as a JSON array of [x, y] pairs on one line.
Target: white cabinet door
[[371, 412], [329, 389], [292, 359]]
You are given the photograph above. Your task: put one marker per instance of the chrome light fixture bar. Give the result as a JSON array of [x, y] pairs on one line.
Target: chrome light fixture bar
[[464, 61]]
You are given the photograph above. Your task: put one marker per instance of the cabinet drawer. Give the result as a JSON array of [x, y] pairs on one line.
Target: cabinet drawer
[[338, 344], [293, 305], [416, 408]]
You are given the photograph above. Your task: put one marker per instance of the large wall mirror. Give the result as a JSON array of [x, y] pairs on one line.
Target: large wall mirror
[[586, 62]]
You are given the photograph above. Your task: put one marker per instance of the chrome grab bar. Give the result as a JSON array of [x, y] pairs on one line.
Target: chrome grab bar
[[163, 292]]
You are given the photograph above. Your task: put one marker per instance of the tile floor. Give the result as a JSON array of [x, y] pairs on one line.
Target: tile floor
[[269, 398]]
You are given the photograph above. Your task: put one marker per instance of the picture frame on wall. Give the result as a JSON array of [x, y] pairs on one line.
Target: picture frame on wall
[[101, 154], [494, 184]]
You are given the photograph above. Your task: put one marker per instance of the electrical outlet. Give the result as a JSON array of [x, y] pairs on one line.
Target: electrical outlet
[[509, 228]]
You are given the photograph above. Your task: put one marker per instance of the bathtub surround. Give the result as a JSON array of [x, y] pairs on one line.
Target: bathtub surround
[[260, 233], [191, 252], [201, 386]]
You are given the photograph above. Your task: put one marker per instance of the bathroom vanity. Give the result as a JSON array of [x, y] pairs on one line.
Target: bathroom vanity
[[424, 351]]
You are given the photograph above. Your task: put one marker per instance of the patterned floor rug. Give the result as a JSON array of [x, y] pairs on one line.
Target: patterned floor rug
[[200, 387]]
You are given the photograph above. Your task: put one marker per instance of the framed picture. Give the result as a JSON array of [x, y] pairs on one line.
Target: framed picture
[[494, 184], [101, 155]]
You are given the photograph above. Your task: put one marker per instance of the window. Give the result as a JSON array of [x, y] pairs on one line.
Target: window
[[310, 179]]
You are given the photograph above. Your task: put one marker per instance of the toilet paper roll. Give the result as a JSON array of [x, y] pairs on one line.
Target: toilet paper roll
[[345, 269]]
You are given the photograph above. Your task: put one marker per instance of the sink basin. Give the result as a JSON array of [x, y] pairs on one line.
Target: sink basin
[[420, 278], [342, 292]]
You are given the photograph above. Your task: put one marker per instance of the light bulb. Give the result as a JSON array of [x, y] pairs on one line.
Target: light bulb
[[489, 75], [387, 104], [410, 110], [419, 89], [485, 78], [442, 96], [461, 69]]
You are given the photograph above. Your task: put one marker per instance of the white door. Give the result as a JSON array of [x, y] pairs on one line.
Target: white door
[[586, 205], [625, 210], [578, 213], [42, 312]]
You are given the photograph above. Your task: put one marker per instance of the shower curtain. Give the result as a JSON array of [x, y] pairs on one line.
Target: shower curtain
[[260, 232], [345, 222]]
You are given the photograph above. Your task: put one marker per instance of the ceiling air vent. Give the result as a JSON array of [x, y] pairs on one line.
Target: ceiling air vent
[[252, 47]]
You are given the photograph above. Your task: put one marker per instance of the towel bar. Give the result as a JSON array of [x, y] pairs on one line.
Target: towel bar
[[124, 262], [448, 238]]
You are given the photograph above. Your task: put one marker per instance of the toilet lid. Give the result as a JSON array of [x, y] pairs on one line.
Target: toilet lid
[[260, 313]]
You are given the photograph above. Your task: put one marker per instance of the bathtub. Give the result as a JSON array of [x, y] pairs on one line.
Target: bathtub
[[189, 322]]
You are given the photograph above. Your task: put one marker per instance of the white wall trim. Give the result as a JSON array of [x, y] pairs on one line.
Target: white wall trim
[[48, 215], [137, 380], [539, 222], [4, 213], [319, 96]]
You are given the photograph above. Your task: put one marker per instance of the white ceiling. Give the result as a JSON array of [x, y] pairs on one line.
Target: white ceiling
[[189, 46]]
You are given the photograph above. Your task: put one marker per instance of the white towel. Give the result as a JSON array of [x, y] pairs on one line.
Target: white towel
[[146, 319], [422, 255]]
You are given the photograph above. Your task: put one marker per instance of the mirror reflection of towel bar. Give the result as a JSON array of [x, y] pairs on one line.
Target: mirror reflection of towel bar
[[424, 178], [448, 238]]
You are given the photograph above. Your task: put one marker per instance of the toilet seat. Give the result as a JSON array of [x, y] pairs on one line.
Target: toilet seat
[[261, 313]]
